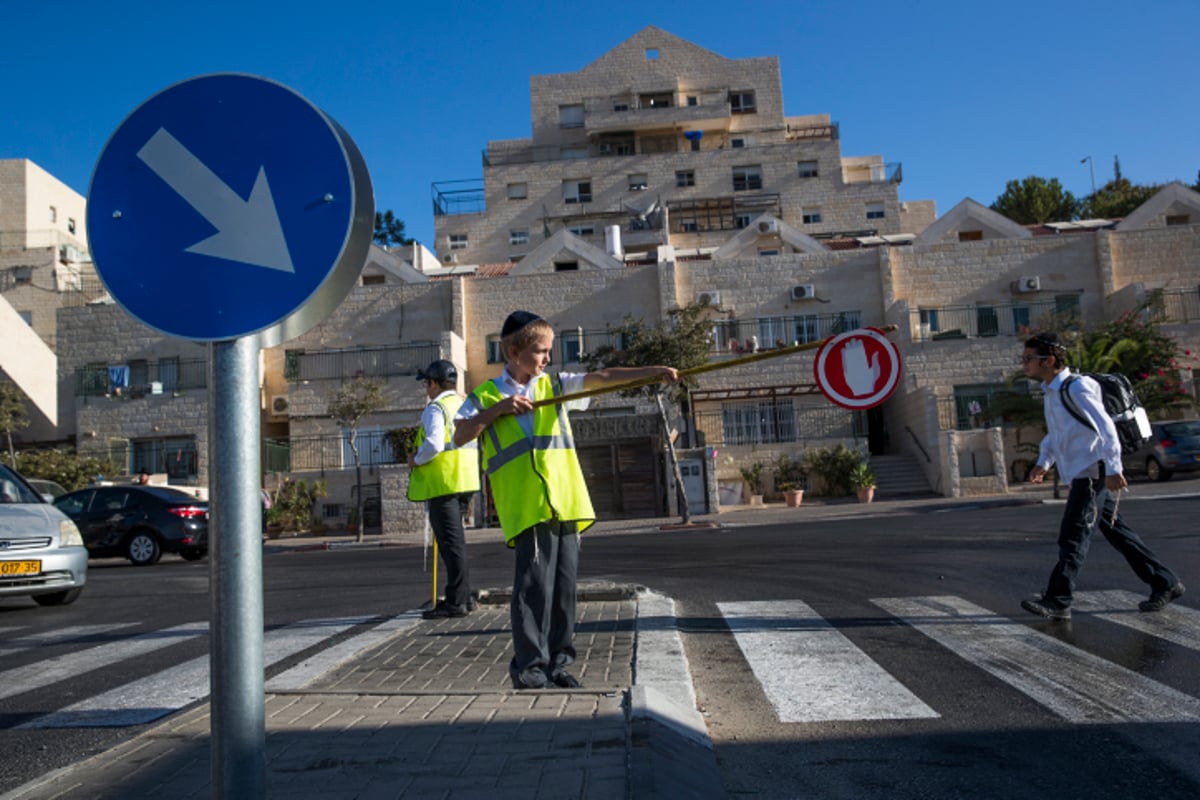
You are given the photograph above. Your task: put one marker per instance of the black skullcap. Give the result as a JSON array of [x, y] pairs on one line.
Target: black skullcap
[[516, 321], [439, 371]]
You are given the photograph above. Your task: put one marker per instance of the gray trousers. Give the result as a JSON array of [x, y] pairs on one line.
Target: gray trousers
[[543, 598]]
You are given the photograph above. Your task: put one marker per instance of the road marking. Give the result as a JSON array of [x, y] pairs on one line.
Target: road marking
[[308, 671], [57, 636], [1175, 623], [810, 671], [71, 665], [165, 692], [1072, 683]]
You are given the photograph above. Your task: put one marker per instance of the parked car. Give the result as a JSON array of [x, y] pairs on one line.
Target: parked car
[[41, 552], [47, 489], [1173, 447], [138, 522]]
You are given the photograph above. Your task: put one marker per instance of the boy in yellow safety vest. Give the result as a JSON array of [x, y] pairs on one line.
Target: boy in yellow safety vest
[[540, 495]]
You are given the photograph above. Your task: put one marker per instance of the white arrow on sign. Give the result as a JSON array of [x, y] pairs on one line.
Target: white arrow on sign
[[247, 230]]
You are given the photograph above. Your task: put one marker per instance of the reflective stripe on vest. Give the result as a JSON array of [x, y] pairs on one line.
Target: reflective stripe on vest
[[533, 479], [454, 470]]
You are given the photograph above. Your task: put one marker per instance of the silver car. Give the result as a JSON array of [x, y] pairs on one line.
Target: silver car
[[41, 552]]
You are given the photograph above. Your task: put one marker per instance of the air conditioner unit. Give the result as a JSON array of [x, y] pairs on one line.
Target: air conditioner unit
[[70, 254], [279, 405], [450, 258], [708, 298], [1028, 283], [805, 291], [768, 226]]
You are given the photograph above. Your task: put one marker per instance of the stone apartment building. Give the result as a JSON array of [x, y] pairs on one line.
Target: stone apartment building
[[960, 290]]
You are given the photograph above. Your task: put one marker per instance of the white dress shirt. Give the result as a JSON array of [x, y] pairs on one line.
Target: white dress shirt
[[1074, 447], [571, 382], [435, 431]]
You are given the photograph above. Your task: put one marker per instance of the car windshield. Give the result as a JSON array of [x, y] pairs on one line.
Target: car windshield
[[15, 490], [1178, 429]]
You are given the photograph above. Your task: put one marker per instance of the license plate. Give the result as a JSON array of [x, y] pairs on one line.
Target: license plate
[[20, 567]]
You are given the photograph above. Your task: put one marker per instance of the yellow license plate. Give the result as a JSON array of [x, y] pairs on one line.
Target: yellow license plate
[[20, 567]]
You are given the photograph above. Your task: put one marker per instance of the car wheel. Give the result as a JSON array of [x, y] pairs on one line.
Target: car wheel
[[1156, 471], [142, 549], [63, 598], [192, 554]]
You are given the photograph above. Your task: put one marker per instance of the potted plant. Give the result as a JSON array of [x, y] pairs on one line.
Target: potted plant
[[790, 476], [754, 482], [862, 481]]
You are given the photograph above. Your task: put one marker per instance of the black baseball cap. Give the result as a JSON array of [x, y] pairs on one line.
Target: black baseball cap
[[440, 370], [516, 321]]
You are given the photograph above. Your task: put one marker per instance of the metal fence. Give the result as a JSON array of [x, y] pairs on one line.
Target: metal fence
[[1175, 305], [995, 319], [139, 378], [367, 362], [777, 422], [767, 333], [327, 452]]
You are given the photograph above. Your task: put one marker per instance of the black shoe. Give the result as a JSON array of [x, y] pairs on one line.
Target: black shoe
[[531, 678], [565, 680], [1044, 609], [1159, 600], [444, 611]]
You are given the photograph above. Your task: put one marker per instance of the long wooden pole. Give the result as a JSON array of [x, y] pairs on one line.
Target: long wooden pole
[[683, 373]]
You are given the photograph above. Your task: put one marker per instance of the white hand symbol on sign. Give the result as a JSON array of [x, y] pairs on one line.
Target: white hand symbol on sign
[[860, 377]]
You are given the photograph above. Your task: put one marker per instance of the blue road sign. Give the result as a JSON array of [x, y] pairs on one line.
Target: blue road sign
[[227, 205]]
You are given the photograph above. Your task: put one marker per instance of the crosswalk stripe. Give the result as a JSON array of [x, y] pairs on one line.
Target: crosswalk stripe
[[1175, 623], [309, 670], [810, 671], [1074, 684], [51, 670], [148, 699], [58, 636]]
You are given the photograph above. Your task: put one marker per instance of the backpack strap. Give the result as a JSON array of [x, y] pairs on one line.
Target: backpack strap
[[1072, 407]]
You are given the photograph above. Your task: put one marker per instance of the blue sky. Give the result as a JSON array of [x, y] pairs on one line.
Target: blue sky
[[965, 95]]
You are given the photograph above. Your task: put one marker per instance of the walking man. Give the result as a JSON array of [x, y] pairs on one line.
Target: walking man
[[1091, 461], [445, 477]]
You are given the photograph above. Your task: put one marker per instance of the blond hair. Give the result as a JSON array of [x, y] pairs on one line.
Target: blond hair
[[525, 337]]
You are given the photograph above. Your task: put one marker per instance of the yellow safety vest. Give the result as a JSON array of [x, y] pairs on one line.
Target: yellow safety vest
[[454, 470], [538, 479]]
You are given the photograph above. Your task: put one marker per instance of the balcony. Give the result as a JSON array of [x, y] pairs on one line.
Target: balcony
[[136, 379], [768, 333], [327, 452], [626, 113], [362, 362], [994, 319], [459, 197]]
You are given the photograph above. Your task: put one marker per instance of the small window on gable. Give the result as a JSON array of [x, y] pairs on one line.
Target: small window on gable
[[518, 191], [566, 266], [970, 236], [570, 116], [373, 280], [1179, 219], [808, 169], [518, 237], [773, 252], [875, 211], [652, 54]]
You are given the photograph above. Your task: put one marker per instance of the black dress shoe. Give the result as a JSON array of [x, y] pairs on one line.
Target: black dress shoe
[[565, 680], [444, 611], [531, 678]]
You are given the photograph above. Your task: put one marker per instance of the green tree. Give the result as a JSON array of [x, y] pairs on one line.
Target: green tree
[[389, 230], [65, 467], [348, 405], [13, 416], [1035, 200], [683, 342], [1117, 198]]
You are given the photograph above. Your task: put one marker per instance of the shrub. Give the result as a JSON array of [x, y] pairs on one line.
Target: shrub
[[294, 504], [834, 467]]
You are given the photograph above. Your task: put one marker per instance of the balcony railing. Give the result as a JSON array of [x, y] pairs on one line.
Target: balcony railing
[[1175, 305], [768, 333], [138, 378], [994, 319], [365, 362], [327, 452], [777, 422], [459, 197]]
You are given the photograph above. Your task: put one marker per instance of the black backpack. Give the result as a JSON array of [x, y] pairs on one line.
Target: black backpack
[[1122, 405]]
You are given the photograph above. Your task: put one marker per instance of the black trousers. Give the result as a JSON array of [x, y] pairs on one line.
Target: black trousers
[[543, 599], [446, 518]]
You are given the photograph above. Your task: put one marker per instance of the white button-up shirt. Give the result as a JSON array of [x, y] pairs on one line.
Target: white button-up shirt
[[1073, 446], [571, 382], [435, 431]]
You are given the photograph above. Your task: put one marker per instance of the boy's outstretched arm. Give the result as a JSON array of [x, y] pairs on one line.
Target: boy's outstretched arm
[[613, 376]]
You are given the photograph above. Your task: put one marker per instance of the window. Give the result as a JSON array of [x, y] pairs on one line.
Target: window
[[638, 182], [458, 241], [695, 143], [773, 331], [27, 317], [23, 274], [987, 322], [566, 266], [1066, 306], [1179, 219], [747, 178], [620, 106], [332, 510], [971, 401], [970, 236], [53, 214], [738, 142], [808, 169], [583, 230], [692, 100], [373, 280], [518, 191], [573, 153], [652, 54], [741, 221], [168, 373], [572, 345], [655, 100], [494, 355], [806, 328], [1020, 317], [70, 225], [688, 226], [518, 237], [765, 422], [685, 177], [577, 191], [875, 211], [176, 457], [811, 216], [929, 321], [139, 373], [741, 102], [570, 116], [773, 252]]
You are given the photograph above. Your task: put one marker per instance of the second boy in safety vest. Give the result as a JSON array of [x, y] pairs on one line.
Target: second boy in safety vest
[[445, 476], [540, 495]]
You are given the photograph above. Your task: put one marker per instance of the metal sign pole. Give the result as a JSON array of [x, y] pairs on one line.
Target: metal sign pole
[[238, 728]]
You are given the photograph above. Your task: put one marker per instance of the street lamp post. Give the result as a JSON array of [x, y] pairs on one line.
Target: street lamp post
[[1092, 166]]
